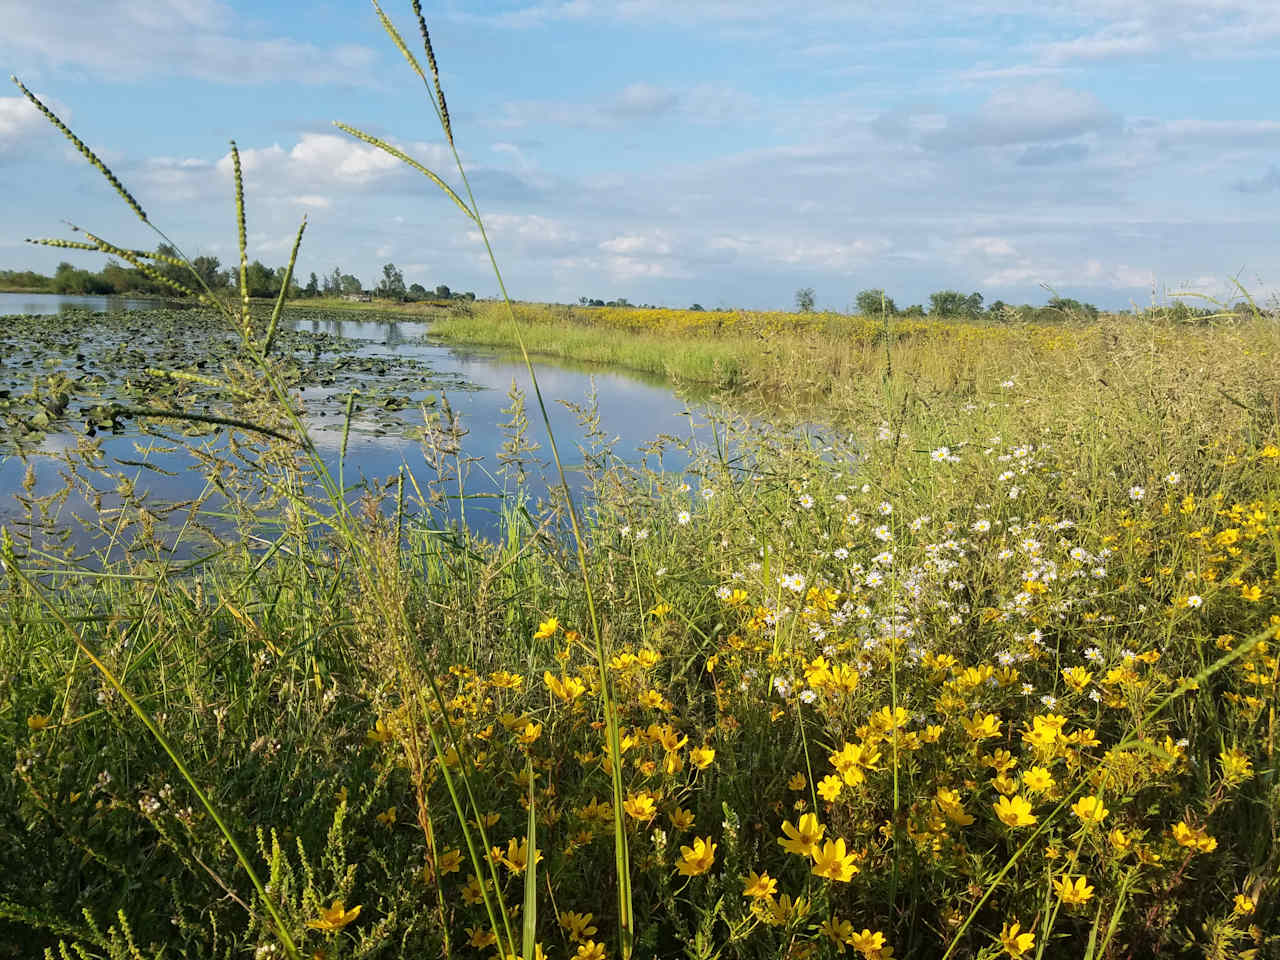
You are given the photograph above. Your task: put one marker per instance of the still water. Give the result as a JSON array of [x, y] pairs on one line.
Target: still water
[[633, 411], [13, 303]]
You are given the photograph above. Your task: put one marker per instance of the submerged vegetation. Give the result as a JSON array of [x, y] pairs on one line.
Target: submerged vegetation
[[983, 666]]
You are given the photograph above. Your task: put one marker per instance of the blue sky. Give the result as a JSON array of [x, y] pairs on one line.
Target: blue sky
[[672, 151]]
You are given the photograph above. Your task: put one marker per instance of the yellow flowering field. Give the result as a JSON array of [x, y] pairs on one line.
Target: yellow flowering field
[[992, 675]]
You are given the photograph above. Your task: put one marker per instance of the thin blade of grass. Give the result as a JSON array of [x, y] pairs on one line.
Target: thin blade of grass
[[530, 931]]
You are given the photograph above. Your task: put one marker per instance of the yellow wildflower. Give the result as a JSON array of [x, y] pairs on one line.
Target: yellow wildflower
[[1015, 943], [1072, 892], [829, 788], [1090, 811], [983, 726], [1236, 766], [1193, 838], [852, 759], [516, 857], [802, 840], [335, 917], [871, 945], [381, 732], [1077, 678], [567, 689], [837, 931], [1038, 780], [949, 804], [449, 861], [577, 925], [1014, 812], [480, 938], [640, 805], [833, 862], [698, 858], [504, 680], [546, 628], [701, 757], [759, 886]]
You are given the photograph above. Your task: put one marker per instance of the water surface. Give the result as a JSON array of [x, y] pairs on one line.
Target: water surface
[[402, 383]]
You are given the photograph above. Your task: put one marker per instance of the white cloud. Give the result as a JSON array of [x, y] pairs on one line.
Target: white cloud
[[1092, 272], [655, 244], [643, 100], [21, 123], [1217, 132], [1141, 29], [1024, 114], [326, 158], [704, 104], [530, 236], [132, 39]]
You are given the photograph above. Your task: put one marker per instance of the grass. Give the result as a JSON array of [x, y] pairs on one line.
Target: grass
[[982, 666]]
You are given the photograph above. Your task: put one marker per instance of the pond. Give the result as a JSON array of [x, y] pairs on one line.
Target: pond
[[66, 375], [15, 303]]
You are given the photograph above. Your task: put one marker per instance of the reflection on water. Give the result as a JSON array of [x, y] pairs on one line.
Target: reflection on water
[[631, 412], [36, 303]]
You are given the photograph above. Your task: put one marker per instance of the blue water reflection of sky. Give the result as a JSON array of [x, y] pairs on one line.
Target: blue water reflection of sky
[[632, 414]]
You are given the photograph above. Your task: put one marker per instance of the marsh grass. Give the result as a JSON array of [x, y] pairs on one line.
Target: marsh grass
[[1005, 549]]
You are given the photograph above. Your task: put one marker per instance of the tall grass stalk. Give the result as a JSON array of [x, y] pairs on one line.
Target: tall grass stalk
[[471, 209]]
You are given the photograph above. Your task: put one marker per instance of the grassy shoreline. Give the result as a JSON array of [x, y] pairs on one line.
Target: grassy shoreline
[[1114, 525]]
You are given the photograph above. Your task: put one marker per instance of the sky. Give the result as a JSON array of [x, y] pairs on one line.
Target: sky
[[673, 151]]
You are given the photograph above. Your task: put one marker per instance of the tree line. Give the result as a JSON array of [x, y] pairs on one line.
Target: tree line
[[951, 303], [261, 280]]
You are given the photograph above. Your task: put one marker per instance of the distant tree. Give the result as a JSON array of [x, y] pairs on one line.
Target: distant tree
[[622, 302], [870, 303], [70, 279], [349, 284], [696, 306], [294, 291], [1074, 308], [260, 280], [416, 291], [312, 289], [332, 284], [443, 292], [804, 299], [26, 279], [915, 310], [953, 303], [584, 301], [175, 273], [122, 279], [995, 306], [209, 269], [469, 296], [392, 285]]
